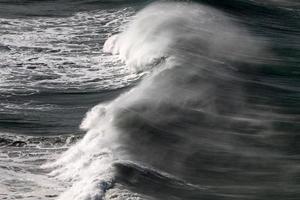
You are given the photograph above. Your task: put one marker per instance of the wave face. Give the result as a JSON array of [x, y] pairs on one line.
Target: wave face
[[199, 125]]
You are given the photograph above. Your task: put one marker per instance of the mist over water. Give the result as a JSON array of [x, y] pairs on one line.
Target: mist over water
[[197, 101]]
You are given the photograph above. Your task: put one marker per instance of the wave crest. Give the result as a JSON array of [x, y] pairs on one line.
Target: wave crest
[[176, 114]]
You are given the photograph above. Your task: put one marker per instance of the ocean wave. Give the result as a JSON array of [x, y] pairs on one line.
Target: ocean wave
[[192, 116]]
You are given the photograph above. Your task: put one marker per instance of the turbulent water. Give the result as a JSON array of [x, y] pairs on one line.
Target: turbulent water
[[123, 100]]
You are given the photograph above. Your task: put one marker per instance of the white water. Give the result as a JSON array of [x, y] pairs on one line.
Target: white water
[[60, 53], [176, 41], [42, 54]]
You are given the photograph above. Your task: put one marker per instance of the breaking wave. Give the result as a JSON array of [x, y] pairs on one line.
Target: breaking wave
[[191, 127]]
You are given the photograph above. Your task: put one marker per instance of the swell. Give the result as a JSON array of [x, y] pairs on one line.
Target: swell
[[49, 112], [59, 8], [206, 115]]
